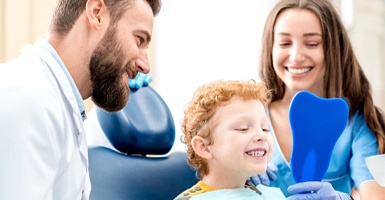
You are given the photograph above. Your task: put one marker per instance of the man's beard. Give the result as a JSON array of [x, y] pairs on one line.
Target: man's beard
[[106, 68]]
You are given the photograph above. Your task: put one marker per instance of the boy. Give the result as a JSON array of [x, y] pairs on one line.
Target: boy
[[226, 131]]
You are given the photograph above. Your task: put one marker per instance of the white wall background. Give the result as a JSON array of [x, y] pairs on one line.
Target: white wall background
[[197, 41]]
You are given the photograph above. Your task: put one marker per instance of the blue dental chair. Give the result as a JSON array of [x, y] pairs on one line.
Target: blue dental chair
[[141, 166]]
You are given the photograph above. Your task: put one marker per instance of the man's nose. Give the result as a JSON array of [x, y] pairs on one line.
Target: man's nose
[[142, 63]]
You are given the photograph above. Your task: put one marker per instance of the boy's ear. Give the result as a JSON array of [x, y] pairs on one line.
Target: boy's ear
[[200, 146]]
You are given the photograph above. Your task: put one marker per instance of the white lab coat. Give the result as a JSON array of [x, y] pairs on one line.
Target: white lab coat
[[43, 150], [94, 132]]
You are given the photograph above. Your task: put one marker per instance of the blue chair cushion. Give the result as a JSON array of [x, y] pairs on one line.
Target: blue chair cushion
[[117, 176], [144, 126]]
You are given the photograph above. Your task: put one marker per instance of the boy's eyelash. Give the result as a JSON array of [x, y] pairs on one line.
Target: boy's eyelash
[[242, 129]]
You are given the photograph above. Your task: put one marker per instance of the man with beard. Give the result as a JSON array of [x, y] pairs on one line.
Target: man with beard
[[92, 49]]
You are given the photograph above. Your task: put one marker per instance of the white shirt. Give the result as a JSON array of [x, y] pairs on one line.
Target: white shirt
[[43, 149]]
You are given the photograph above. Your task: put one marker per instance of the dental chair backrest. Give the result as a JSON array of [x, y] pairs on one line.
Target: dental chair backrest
[[142, 168]]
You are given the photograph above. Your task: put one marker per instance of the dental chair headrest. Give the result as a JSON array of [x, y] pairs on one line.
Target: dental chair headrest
[[144, 126]]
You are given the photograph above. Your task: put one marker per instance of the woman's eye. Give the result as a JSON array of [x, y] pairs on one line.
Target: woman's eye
[[312, 44], [284, 44]]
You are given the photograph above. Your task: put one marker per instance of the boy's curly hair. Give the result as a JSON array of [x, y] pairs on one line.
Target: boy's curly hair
[[206, 100]]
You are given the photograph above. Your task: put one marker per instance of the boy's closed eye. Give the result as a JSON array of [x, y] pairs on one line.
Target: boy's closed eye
[[265, 130], [243, 129]]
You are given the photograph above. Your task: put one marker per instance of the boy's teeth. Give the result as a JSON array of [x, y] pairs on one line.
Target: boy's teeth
[[256, 153]]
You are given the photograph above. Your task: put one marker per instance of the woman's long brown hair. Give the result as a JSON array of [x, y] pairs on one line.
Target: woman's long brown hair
[[344, 76]]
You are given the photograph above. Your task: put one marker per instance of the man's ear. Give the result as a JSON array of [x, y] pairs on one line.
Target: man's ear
[[96, 12], [200, 146]]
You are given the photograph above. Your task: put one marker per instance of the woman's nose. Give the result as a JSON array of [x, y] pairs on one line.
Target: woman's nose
[[296, 54]]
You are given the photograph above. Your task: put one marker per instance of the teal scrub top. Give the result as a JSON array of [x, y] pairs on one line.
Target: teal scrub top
[[347, 165]]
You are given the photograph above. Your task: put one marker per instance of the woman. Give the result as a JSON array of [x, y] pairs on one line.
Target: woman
[[305, 47]]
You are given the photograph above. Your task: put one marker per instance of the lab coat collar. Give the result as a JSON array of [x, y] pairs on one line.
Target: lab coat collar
[[41, 43]]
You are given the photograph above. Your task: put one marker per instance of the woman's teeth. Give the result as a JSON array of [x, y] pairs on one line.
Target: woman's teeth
[[298, 70]]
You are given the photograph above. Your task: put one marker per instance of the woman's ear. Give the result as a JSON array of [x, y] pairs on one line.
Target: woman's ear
[[200, 146]]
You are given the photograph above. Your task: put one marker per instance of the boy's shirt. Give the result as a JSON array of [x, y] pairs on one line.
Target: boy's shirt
[[201, 191]]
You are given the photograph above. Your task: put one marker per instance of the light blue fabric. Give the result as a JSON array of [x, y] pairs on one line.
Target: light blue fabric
[[242, 194], [46, 46], [347, 165]]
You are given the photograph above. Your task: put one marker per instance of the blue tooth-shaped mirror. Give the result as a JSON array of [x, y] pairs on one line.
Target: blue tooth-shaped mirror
[[316, 123]]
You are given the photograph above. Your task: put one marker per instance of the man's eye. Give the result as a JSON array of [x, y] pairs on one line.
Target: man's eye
[[141, 40]]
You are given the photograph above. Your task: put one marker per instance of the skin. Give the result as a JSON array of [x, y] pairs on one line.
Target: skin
[[299, 62], [297, 44], [241, 127], [119, 50]]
